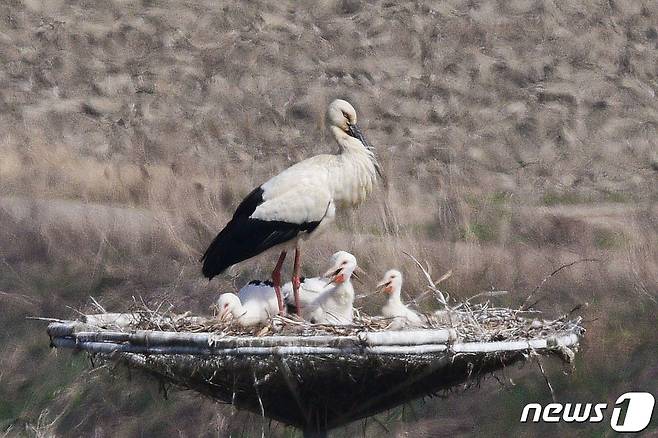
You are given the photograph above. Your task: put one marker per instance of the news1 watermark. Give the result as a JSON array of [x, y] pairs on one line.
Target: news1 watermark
[[631, 412]]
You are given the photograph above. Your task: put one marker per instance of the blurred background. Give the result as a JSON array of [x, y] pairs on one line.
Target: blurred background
[[516, 136]]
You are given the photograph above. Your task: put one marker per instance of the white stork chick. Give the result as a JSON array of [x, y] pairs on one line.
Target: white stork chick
[[255, 304], [401, 315], [311, 288], [333, 305], [298, 202]]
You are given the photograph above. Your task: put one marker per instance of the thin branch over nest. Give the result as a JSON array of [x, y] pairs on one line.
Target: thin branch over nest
[[526, 305]]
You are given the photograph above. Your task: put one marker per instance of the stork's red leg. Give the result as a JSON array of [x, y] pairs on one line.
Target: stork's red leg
[[296, 279], [276, 279]]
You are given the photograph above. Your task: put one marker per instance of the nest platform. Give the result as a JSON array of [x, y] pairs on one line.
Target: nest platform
[[318, 377]]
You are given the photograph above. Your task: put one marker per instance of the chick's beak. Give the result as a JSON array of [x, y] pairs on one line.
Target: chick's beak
[[331, 274], [384, 286], [357, 274]]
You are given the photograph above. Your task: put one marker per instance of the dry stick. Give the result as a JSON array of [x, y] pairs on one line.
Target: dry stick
[[541, 368], [41, 318], [432, 284], [18, 297], [292, 385], [25, 284], [576, 308], [76, 310], [262, 409], [488, 293], [441, 279], [97, 305], [525, 305]]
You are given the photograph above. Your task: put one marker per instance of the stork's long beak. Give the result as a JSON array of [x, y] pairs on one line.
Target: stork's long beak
[[357, 273], [354, 131], [331, 272], [333, 275], [381, 287]]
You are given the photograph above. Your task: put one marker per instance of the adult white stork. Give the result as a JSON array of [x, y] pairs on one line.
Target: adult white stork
[[298, 202], [394, 308]]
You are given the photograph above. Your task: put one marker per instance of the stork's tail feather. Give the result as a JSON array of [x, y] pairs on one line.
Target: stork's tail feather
[[214, 259], [244, 238]]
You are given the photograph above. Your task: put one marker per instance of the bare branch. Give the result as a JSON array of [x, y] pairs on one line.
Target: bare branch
[[432, 284], [541, 368], [525, 305]]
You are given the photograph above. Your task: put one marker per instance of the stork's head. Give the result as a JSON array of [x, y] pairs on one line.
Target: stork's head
[[228, 304], [342, 119], [341, 114], [391, 284], [343, 266]]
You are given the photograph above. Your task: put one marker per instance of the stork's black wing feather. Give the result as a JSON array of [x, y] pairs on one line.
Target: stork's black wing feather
[[244, 237]]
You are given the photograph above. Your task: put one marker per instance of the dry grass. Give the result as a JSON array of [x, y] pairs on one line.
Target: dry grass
[[516, 137]]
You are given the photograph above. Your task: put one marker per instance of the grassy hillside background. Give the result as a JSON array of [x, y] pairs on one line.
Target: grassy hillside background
[[515, 135]]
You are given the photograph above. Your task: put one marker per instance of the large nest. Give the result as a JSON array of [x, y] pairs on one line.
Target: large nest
[[317, 377]]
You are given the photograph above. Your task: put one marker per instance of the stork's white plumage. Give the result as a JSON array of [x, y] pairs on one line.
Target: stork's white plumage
[[334, 304], [401, 315], [299, 202], [327, 299], [309, 290], [255, 304]]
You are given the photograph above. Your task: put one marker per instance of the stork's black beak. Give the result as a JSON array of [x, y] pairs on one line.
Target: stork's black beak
[[354, 131]]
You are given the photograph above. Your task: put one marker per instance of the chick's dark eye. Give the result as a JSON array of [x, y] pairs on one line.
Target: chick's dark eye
[[344, 263]]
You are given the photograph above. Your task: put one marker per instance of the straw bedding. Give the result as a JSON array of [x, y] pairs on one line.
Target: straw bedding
[[471, 323]]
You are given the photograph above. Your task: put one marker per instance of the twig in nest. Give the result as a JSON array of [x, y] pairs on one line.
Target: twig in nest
[[76, 311], [432, 283], [97, 305], [489, 293], [526, 306], [441, 279]]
